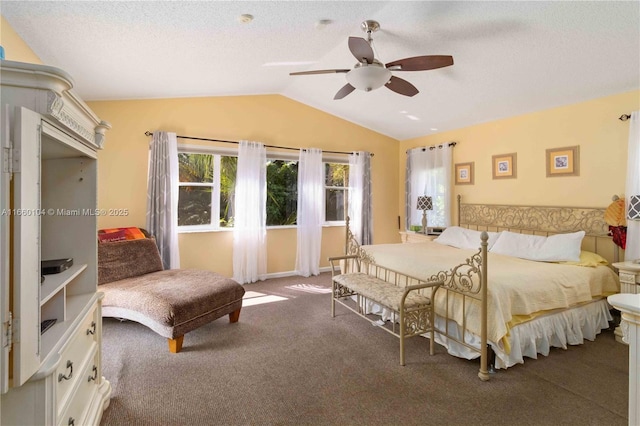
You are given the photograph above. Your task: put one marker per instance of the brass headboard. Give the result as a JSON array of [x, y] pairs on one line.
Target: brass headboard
[[542, 220]]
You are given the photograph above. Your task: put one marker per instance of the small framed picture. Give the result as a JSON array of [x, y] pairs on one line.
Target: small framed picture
[[504, 166], [563, 161], [464, 173]]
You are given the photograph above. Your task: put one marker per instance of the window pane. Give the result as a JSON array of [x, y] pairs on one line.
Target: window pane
[[228, 168], [195, 167], [336, 174], [282, 192], [336, 202], [194, 205]]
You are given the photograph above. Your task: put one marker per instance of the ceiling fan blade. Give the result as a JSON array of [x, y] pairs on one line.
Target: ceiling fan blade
[[421, 63], [346, 89], [401, 86], [361, 49], [319, 72]]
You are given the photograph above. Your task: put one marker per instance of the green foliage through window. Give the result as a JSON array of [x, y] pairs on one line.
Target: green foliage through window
[[207, 185], [282, 192]]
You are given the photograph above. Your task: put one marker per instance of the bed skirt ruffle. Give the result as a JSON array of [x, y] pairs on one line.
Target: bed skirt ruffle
[[570, 327], [538, 336]]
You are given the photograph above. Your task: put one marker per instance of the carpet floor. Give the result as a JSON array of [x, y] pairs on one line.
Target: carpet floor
[[288, 362]]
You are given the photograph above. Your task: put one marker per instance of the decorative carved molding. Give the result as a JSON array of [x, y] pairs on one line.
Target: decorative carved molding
[[54, 103], [56, 109], [101, 129], [52, 88], [536, 218], [624, 326]]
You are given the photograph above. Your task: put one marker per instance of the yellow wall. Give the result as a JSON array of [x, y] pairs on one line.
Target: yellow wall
[[593, 125], [15, 49], [271, 119]]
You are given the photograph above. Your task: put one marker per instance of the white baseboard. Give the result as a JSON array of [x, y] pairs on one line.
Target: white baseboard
[[293, 273]]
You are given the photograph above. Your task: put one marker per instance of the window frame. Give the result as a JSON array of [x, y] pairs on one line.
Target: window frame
[[343, 188], [217, 152]]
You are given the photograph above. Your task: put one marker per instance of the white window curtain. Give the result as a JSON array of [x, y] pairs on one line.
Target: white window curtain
[[249, 229], [632, 251], [310, 211], [162, 196], [429, 173], [360, 207]]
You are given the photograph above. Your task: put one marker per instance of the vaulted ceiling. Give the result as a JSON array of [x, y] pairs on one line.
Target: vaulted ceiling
[[510, 57]]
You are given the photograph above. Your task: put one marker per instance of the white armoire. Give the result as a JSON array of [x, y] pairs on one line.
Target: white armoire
[[48, 211]]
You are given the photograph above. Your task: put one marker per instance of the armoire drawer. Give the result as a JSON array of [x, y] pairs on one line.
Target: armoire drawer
[[74, 357], [76, 412]]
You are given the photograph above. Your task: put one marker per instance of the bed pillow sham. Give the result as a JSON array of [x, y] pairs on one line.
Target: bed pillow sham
[[464, 238], [554, 248]]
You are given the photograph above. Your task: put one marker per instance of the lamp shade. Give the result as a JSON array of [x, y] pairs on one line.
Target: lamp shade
[[614, 215], [634, 207], [368, 77], [425, 203]]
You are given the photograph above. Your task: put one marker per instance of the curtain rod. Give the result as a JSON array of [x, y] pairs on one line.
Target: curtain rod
[[148, 133], [432, 147], [624, 117]]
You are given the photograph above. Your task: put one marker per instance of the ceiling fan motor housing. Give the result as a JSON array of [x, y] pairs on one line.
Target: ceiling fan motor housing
[[368, 77]]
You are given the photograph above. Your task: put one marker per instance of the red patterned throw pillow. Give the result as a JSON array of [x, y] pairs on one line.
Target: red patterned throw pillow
[[130, 233], [108, 237]]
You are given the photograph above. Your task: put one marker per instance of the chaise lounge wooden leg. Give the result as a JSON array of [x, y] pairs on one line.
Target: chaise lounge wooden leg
[[175, 345], [235, 315]]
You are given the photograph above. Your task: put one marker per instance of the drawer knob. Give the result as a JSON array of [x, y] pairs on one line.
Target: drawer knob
[[66, 377], [95, 374], [92, 328]]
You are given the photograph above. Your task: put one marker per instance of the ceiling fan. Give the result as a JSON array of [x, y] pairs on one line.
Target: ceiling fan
[[370, 74]]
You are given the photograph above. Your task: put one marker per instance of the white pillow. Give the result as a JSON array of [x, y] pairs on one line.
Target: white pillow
[[555, 248], [464, 238]]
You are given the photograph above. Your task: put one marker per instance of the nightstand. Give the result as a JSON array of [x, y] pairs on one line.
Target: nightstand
[[629, 274], [416, 237]]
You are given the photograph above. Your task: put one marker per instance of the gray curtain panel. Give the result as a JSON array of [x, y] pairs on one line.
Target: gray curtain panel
[[162, 196], [367, 200], [360, 199]]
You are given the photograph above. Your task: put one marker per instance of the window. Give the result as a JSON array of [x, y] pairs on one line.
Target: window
[[336, 191], [207, 183], [282, 192], [205, 198], [429, 173]]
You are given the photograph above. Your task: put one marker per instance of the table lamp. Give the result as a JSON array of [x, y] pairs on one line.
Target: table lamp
[[424, 203]]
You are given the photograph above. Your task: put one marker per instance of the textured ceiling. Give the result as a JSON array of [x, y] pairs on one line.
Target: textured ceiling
[[510, 57]]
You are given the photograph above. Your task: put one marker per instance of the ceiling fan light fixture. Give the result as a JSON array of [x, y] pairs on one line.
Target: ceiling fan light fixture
[[369, 77]]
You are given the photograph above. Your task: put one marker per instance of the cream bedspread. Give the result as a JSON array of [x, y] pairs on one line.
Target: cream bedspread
[[516, 287]]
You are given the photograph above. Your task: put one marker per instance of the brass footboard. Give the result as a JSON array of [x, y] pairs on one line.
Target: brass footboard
[[467, 281]]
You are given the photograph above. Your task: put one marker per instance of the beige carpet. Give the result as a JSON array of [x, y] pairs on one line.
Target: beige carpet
[[288, 362]]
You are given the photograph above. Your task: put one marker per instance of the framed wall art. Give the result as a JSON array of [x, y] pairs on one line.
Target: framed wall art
[[504, 166], [464, 173], [563, 161]]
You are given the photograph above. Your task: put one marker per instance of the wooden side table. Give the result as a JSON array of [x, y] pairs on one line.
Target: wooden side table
[[629, 274], [416, 237]]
